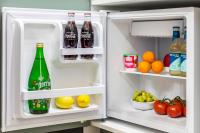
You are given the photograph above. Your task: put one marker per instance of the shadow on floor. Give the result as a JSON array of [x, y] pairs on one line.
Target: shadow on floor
[[75, 130]]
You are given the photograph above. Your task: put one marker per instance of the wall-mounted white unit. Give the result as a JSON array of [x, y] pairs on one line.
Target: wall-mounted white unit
[[127, 2], [103, 78]]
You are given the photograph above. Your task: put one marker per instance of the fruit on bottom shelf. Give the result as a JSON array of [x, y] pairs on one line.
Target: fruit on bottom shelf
[[173, 108], [142, 100], [174, 111], [143, 96], [83, 101], [64, 102], [160, 106], [177, 107]]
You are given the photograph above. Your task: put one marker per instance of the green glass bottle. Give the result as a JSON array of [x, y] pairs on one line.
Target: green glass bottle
[[39, 80]]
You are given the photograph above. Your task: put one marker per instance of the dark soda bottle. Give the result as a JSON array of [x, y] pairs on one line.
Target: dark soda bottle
[[87, 35], [39, 80], [71, 36]]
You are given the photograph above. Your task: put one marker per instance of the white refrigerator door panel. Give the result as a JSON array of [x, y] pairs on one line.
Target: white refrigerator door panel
[[22, 29]]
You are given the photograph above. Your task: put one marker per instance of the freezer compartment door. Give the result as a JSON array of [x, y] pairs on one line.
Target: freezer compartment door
[[22, 29]]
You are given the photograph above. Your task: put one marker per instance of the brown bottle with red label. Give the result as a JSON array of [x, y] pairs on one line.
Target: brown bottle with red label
[[71, 36], [87, 35]]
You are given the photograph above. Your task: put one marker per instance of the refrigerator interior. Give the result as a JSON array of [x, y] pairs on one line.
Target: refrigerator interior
[[23, 28], [121, 83]]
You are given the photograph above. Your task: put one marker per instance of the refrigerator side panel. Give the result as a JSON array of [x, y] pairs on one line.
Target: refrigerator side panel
[[193, 66], [3, 72]]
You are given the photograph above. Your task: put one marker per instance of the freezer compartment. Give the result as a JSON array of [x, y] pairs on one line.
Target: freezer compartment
[[124, 82], [160, 28]]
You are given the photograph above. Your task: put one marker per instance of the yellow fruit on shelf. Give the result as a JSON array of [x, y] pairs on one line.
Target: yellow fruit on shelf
[[65, 102], [157, 66], [83, 101], [148, 56], [144, 67]]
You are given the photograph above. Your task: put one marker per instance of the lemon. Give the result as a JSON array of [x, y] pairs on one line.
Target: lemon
[[83, 101], [64, 102]]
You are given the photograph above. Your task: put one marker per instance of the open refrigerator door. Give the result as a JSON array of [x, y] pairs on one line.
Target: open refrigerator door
[[22, 29]]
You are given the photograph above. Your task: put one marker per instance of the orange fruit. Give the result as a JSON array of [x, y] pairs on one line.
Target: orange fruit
[[157, 66], [148, 56], [144, 67]]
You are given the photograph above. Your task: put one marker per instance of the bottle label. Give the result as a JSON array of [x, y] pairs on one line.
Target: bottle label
[[70, 35], [183, 62], [39, 104], [86, 35], [175, 62], [131, 61]]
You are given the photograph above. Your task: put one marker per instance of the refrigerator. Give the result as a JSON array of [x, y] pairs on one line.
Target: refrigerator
[[104, 78]]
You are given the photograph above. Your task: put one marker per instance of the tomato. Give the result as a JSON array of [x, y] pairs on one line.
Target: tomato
[[174, 110], [182, 103], [160, 107], [184, 110], [177, 102]]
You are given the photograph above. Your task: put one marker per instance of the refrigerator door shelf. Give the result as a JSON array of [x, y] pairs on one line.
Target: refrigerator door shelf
[[82, 51], [27, 95], [80, 61], [53, 111], [98, 46]]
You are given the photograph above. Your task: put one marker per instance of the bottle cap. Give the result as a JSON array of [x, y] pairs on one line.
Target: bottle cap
[[176, 27], [87, 14], [130, 54], [71, 14], [40, 45]]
